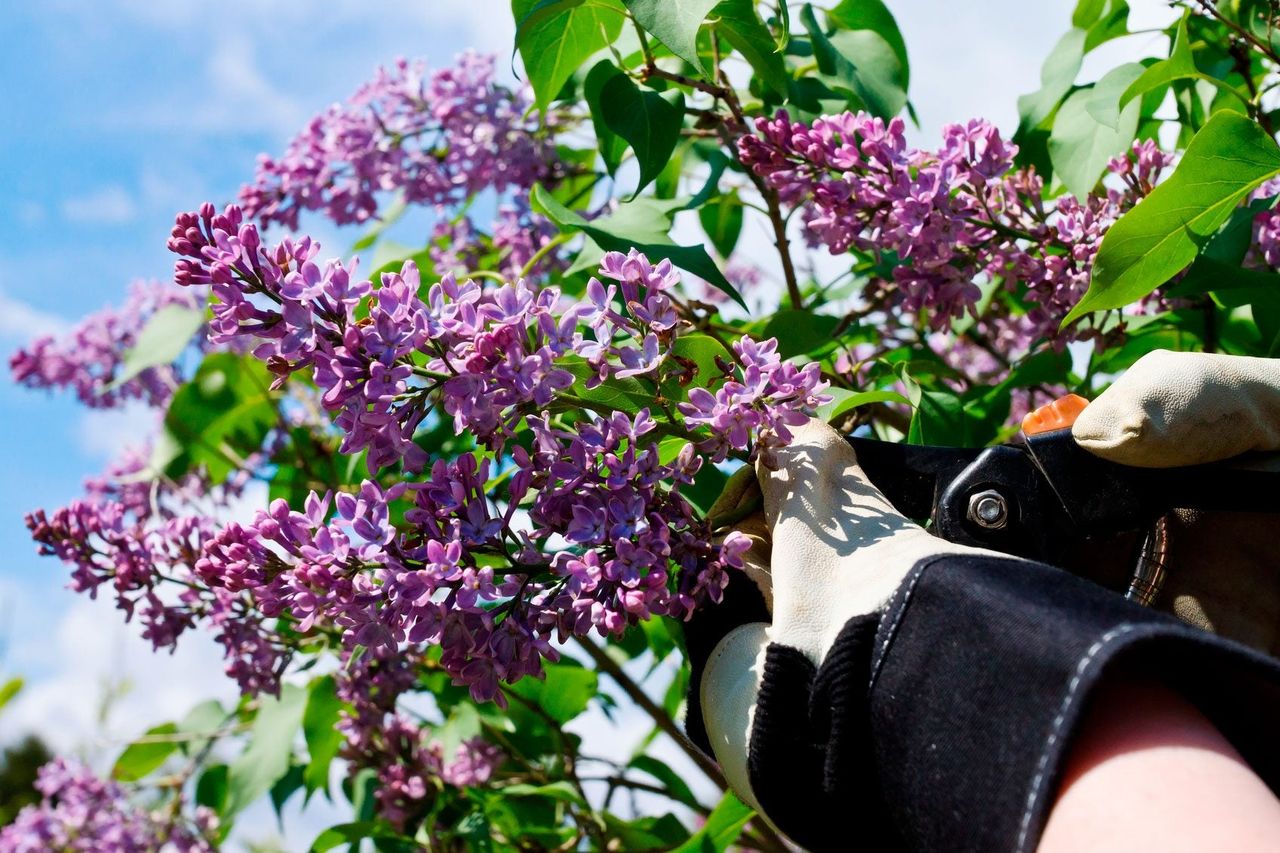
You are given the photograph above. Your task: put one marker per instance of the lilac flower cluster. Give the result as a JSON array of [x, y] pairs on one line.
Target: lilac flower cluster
[[457, 247], [599, 488], [437, 137], [141, 541], [770, 396], [951, 217], [411, 768], [481, 361], [381, 355], [80, 812], [88, 359]]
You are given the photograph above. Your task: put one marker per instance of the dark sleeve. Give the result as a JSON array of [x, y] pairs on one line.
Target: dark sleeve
[[943, 722]]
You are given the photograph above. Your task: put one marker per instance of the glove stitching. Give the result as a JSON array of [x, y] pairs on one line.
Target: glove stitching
[[1055, 731], [898, 603]]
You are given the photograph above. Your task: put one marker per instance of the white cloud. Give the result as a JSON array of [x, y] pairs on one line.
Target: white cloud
[[31, 212], [97, 656], [22, 322], [234, 96], [241, 92], [107, 205], [106, 432]]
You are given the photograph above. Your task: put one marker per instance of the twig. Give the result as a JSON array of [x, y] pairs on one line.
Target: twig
[[660, 717]]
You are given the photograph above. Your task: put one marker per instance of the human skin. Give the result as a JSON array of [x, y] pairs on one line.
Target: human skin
[[1149, 772]]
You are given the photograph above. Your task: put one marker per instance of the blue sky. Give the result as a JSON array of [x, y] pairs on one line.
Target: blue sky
[[122, 112]]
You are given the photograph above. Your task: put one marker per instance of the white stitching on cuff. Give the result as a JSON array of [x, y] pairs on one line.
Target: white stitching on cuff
[[1033, 797], [905, 590]]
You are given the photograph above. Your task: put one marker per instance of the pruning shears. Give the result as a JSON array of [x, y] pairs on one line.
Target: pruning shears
[[1043, 497]]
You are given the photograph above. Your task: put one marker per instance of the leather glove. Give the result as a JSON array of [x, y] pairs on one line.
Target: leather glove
[[1173, 409], [828, 548]]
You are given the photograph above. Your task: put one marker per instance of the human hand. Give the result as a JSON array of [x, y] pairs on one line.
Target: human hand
[[1175, 409], [828, 548]]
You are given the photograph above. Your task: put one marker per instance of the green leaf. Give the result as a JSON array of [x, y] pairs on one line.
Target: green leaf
[[354, 833], [699, 351], [211, 788], [722, 220], [462, 724], [740, 24], [389, 216], [561, 790], [722, 828], [799, 332], [161, 341], [1179, 64], [204, 719], [142, 757], [1087, 13], [625, 395], [670, 779], [320, 727], [555, 37], [1226, 160], [1103, 104], [646, 833], [286, 787], [844, 401], [939, 418], [675, 23], [1090, 130], [692, 259], [862, 62], [649, 121], [1056, 78], [565, 691], [10, 689], [610, 145], [1230, 284], [873, 15], [267, 758], [220, 416], [1112, 23]]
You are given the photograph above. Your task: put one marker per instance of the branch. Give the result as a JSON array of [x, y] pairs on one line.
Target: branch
[[660, 717]]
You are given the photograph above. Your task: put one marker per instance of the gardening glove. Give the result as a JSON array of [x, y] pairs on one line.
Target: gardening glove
[[1173, 409], [828, 549]]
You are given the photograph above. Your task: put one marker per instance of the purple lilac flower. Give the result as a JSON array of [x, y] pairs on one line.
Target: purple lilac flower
[[953, 216], [768, 396], [409, 764], [457, 247], [140, 541], [437, 137], [80, 812], [600, 488], [493, 360], [88, 359]]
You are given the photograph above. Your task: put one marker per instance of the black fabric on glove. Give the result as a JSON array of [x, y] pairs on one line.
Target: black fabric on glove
[[809, 770], [948, 729]]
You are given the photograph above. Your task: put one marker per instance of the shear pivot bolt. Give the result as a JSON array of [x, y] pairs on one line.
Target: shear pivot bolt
[[989, 509]]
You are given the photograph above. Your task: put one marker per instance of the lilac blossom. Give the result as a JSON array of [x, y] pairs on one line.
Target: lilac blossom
[[768, 396], [953, 217], [410, 765], [81, 812], [140, 542], [89, 358], [437, 137]]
